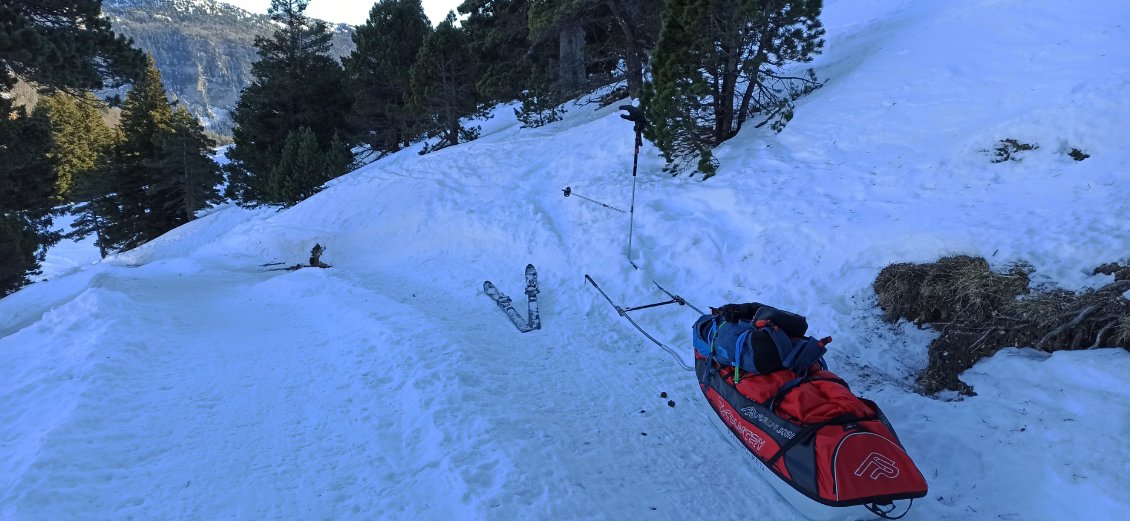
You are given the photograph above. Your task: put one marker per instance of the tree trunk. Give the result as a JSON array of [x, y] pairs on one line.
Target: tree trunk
[[186, 186], [571, 57], [724, 118], [98, 238], [632, 52], [753, 69]]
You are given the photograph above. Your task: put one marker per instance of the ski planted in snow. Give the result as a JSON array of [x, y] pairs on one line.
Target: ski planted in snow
[[533, 314], [533, 320]]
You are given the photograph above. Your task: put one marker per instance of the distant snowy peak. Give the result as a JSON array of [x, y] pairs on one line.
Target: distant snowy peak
[[209, 7], [199, 7], [203, 48]]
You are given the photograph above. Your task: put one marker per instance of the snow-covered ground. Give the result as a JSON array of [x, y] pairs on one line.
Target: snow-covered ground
[[185, 380]]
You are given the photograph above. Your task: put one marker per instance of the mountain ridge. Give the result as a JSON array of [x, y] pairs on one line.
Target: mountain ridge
[[203, 48]]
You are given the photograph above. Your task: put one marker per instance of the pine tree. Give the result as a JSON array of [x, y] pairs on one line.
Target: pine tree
[[443, 85], [188, 172], [64, 44], [638, 22], [27, 193], [296, 84], [720, 63], [80, 145], [79, 138], [95, 197], [133, 175], [153, 181], [379, 71], [675, 101], [498, 32], [339, 157], [563, 22], [60, 44], [27, 180], [622, 30], [300, 172], [541, 103]]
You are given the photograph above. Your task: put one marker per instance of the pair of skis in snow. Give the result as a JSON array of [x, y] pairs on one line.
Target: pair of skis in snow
[[533, 318]]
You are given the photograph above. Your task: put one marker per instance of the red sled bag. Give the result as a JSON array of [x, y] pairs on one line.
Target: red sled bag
[[811, 431]]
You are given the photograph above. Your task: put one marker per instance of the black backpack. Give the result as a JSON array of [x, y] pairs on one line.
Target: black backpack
[[770, 340]]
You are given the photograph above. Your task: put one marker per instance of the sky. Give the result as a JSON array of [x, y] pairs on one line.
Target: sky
[[196, 378], [353, 12]]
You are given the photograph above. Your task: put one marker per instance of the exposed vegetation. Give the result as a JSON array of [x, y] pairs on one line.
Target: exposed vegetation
[[977, 311], [1009, 150]]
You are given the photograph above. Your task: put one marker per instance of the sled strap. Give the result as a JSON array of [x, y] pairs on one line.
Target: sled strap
[[738, 357], [711, 334], [714, 329], [794, 383], [793, 352], [878, 510], [807, 432]]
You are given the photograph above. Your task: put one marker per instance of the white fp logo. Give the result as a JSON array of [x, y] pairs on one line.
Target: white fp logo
[[876, 466]]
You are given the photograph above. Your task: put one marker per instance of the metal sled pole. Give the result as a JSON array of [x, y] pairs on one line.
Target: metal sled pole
[[624, 313]]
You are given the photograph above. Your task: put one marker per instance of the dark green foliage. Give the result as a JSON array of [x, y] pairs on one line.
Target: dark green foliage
[[521, 55], [498, 32], [27, 181], [339, 157], [379, 72], [53, 44], [615, 30], [304, 167], [62, 44], [297, 84], [540, 103], [155, 177], [675, 100], [146, 114], [21, 252], [443, 85], [560, 25], [95, 197], [79, 138], [300, 170], [1008, 150], [80, 146], [720, 63], [1078, 155], [27, 192], [144, 205], [92, 214], [187, 171]]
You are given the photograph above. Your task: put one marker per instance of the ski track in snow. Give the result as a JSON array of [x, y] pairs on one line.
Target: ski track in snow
[[184, 380]]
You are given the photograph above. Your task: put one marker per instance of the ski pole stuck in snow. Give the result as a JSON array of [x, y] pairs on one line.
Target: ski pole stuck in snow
[[635, 115], [569, 191]]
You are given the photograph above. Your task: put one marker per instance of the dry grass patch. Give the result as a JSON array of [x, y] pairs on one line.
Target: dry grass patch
[[977, 312]]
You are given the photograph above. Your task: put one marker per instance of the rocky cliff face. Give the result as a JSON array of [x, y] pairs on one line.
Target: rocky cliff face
[[203, 48]]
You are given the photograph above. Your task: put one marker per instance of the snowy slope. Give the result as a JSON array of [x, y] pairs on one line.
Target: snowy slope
[[184, 380]]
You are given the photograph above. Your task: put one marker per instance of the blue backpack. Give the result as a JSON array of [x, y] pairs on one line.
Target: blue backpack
[[772, 340]]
